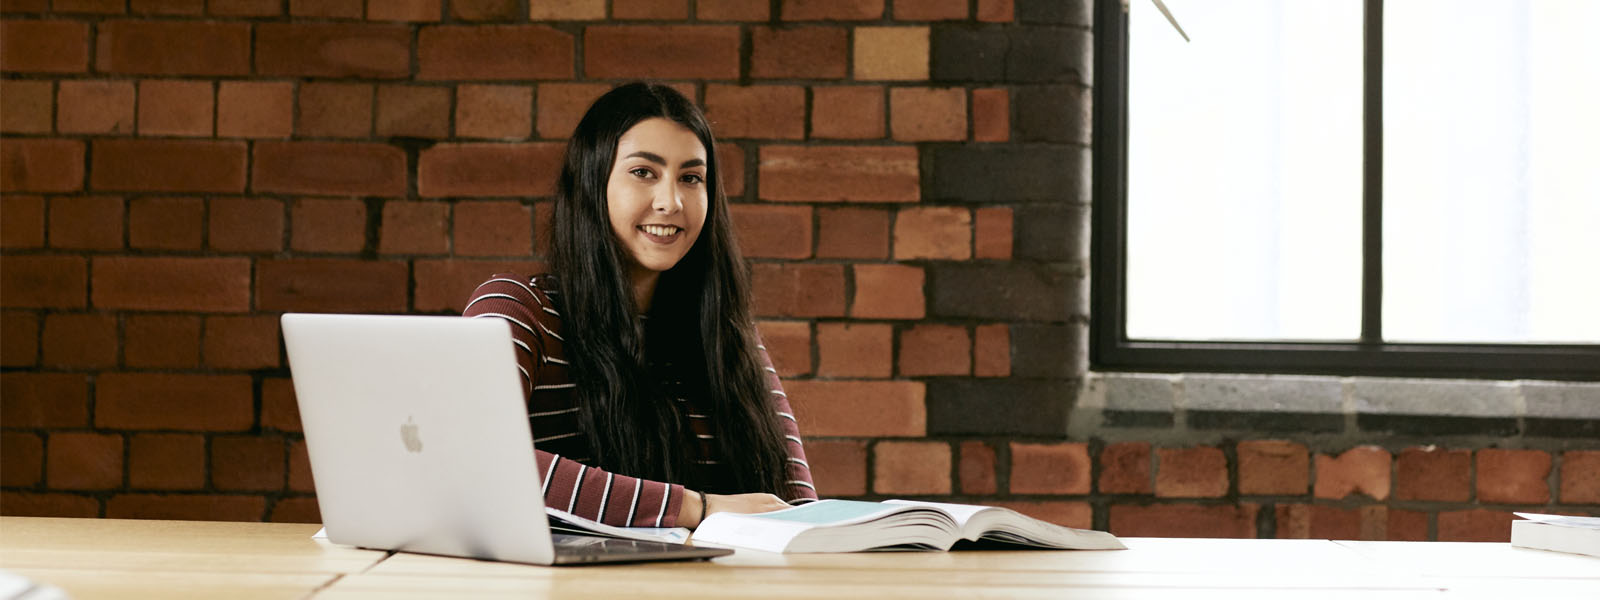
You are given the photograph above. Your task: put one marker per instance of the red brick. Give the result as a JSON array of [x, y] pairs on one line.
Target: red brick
[[103, 107], [41, 165], [173, 401], [661, 52], [799, 52], [169, 165], [1580, 476], [246, 224], [369, 51], [186, 507], [936, 232], [44, 46], [328, 225], [80, 340], [1362, 469], [1125, 468], [44, 282], [173, 48], [300, 479], [1433, 473], [331, 285], [730, 10], [88, 223], [798, 290], [242, 342], [413, 111], [161, 341], [1407, 526], [493, 228], [494, 111], [859, 408], [1066, 514], [327, 9], [852, 233], [992, 233], [995, 11], [1305, 521], [991, 351], [24, 454], [494, 52], [169, 7], [660, 10], [568, 10], [415, 228], [935, 350], [167, 461], [25, 107], [891, 53], [247, 463], [911, 468], [1476, 525], [888, 292], [847, 112], [1273, 468], [730, 159], [476, 170], [447, 285], [84, 461], [1184, 520], [405, 10], [855, 350], [279, 409], [1050, 468], [543, 221], [561, 106], [976, 469], [831, 10], [991, 115], [1513, 476], [928, 114], [484, 10], [255, 109], [245, 8], [21, 221], [840, 174], [930, 10], [1200, 472], [19, 331], [296, 510], [839, 467], [334, 109], [33, 6], [44, 400], [770, 231], [763, 111], [166, 223], [329, 168], [24, 504], [181, 108], [788, 346], [172, 283]]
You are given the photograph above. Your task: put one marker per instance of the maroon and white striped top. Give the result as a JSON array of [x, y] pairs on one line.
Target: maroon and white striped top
[[562, 449]]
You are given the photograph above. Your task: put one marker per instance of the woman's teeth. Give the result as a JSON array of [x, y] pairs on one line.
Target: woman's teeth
[[661, 230]]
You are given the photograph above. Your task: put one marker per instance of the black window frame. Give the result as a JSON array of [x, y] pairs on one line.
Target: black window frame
[[1110, 348]]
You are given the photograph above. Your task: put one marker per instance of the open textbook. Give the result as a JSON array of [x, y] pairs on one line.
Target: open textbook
[[1578, 535], [564, 522], [852, 526]]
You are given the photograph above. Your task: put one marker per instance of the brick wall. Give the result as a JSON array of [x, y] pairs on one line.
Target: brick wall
[[910, 179]]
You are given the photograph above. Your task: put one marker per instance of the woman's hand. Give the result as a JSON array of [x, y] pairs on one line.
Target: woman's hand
[[734, 503]]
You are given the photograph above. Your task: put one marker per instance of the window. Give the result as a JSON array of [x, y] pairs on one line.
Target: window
[[1400, 187]]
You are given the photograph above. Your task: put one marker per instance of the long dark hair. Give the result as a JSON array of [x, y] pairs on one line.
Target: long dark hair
[[700, 319]]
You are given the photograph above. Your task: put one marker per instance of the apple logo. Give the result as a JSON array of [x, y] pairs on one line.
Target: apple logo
[[408, 434]]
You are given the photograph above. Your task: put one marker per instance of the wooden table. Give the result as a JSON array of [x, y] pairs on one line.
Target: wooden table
[[95, 558]]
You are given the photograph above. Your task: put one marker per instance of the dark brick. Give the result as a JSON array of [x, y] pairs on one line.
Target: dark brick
[[1048, 350], [1055, 12], [1266, 421], [1051, 113], [1437, 424], [1047, 54], [1568, 428], [960, 54], [1035, 174], [1051, 233], [1012, 291], [1136, 419], [999, 407]]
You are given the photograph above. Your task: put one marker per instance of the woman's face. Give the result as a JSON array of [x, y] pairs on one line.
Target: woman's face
[[656, 194]]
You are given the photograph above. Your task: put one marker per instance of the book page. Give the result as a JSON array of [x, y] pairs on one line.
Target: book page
[[830, 512]]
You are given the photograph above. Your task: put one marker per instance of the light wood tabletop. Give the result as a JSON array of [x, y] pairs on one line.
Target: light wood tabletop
[[104, 558]]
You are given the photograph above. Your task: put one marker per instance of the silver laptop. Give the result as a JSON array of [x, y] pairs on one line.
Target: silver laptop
[[419, 442]]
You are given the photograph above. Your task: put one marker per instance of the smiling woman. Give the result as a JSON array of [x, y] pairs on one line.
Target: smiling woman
[[651, 398]]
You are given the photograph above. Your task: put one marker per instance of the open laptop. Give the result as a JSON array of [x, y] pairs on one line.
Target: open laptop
[[419, 442]]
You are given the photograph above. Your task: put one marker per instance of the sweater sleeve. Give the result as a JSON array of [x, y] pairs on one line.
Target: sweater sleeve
[[568, 485], [799, 472]]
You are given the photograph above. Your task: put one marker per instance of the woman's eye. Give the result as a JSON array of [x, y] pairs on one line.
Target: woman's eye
[[693, 178], [641, 172]]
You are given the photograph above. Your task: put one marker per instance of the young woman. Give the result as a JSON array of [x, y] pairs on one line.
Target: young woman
[[651, 398]]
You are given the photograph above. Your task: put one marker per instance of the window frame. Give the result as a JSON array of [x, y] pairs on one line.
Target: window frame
[[1111, 350]]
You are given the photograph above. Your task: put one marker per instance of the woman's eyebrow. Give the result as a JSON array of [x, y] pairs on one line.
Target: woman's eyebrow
[[656, 158]]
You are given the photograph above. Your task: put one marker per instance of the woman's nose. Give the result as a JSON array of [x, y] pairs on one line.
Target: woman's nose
[[667, 201]]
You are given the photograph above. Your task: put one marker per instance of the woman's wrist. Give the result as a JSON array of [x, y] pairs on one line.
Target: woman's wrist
[[692, 508]]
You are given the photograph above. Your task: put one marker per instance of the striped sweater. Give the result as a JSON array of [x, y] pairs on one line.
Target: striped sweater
[[562, 449]]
